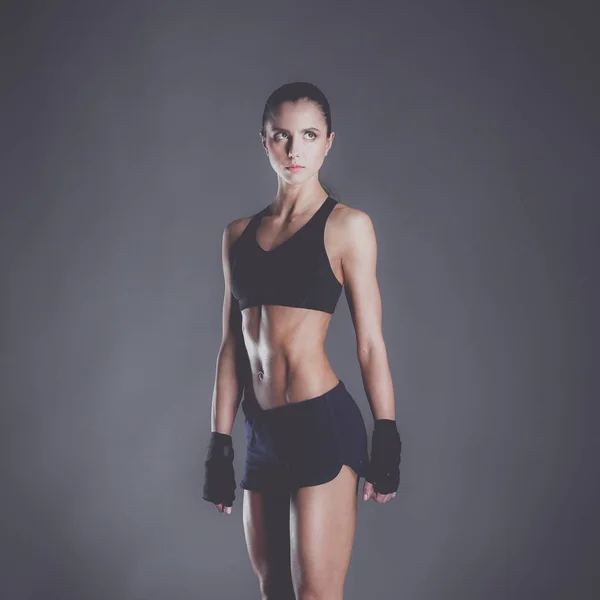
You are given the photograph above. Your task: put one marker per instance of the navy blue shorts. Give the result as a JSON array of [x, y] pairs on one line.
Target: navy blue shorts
[[304, 443]]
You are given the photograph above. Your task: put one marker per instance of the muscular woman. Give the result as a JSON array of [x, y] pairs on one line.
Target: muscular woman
[[306, 448]]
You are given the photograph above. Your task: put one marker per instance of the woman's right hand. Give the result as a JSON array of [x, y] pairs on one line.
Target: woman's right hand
[[227, 509]]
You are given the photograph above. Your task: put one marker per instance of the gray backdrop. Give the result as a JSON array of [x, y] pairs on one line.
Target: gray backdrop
[[468, 131]]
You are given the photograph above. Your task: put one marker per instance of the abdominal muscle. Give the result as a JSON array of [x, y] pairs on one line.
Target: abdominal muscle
[[286, 354]]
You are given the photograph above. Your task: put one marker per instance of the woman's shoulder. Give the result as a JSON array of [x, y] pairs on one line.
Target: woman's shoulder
[[346, 211], [347, 219], [234, 229]]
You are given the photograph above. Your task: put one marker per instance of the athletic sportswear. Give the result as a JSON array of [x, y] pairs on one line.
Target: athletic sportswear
[[294, 273], [219, 475], [303, 443], [384, 467]]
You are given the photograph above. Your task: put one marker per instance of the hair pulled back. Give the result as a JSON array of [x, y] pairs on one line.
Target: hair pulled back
[[292, 92]]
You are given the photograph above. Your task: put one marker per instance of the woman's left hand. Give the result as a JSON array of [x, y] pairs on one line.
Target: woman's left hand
[[383, 470], [369, 492]]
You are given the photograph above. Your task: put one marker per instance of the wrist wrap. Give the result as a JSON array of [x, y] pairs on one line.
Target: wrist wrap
[[219, 477], [384, 465]]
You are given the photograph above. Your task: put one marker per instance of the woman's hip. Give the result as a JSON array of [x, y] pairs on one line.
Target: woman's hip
[[306, 430]]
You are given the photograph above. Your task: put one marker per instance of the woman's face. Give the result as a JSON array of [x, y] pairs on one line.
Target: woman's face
[[297, 135]]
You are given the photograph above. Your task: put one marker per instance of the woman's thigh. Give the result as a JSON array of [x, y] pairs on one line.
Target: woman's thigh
[[322, 526], [266, 518]]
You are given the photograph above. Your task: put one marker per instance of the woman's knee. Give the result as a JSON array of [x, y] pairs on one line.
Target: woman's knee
[[330, 592], [276, 585]]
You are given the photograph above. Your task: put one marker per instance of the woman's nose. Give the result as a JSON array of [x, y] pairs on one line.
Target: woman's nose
[[293, 149]]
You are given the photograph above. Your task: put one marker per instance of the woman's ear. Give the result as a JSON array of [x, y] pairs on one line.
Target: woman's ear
[[264, 141], [330, 141]]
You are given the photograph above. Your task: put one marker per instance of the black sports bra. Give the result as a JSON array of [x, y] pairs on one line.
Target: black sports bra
[[295, 273]]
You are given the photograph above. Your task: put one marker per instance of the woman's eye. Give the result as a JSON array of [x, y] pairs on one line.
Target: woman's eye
[[311, 133]]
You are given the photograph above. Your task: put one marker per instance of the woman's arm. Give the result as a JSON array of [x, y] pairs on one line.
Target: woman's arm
[[232, 357], [359, 260]]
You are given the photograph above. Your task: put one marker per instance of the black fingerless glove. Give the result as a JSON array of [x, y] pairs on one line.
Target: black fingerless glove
[[219, 478], [384, 466]]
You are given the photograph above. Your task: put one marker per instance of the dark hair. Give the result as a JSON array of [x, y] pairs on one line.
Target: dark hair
[[292, 92]]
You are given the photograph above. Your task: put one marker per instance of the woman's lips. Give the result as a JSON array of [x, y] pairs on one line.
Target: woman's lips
[[294, 168]]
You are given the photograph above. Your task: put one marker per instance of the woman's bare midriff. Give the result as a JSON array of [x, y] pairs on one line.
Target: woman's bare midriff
[[285, 348]]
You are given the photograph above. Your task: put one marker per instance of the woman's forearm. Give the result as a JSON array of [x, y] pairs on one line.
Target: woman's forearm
[[228, 388], [377, 381]]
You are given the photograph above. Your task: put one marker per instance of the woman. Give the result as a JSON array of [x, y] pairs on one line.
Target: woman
[[284, 269]]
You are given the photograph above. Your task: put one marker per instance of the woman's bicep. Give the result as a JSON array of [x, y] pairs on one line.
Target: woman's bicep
[[359, 263], [232, 317]]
